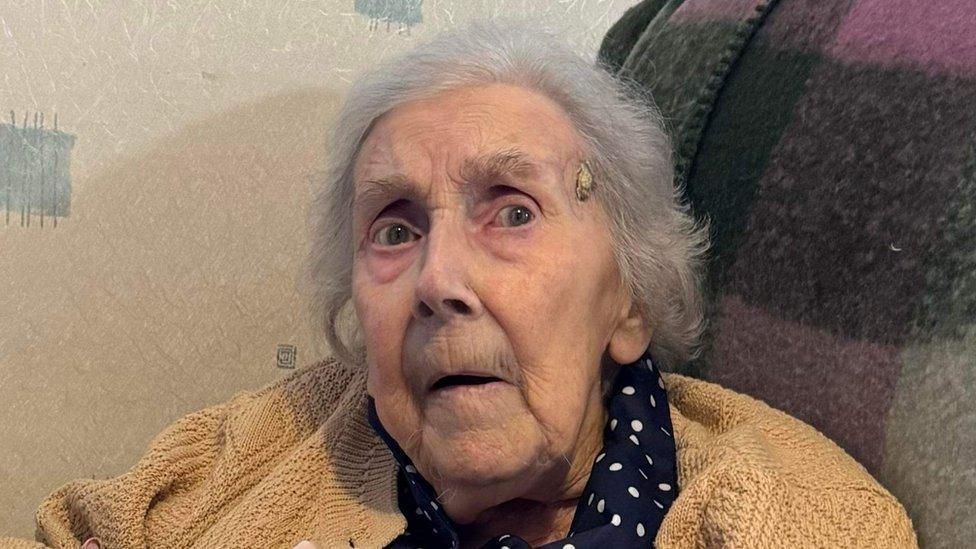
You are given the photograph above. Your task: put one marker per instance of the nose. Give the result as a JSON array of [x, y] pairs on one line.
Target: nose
[[443, 290]]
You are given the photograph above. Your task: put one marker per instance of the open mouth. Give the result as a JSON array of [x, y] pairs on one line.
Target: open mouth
[[461, 380]]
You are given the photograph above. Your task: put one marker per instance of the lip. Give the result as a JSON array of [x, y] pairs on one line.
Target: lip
[[474, 388], [494, 379]]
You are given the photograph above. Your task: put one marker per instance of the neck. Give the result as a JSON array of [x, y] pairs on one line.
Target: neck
[[536, 522], [539, 511]]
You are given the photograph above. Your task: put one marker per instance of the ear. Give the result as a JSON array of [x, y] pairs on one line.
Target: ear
[[630, 336]]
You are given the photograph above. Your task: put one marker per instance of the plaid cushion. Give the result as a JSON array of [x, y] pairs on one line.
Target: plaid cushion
[[833, 147]]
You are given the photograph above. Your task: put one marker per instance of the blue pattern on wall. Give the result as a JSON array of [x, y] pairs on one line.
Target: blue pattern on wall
[[405, 13], [35, 176]]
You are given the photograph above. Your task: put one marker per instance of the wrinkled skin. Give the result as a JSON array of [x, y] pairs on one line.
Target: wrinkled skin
[[507, 277]]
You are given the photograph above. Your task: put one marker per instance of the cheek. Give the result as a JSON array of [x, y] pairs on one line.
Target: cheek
[[554, 307], [385, 267], [383, 309], [539, 306], [542, 302], [557, 387], [382, 292]]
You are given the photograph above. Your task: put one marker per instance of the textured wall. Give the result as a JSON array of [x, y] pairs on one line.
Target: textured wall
[[170, 283]]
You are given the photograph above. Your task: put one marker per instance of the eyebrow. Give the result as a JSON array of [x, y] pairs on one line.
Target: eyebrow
[[484, 168], [480, 170]]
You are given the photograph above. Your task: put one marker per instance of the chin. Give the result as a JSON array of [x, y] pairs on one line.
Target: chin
[[480, 459]]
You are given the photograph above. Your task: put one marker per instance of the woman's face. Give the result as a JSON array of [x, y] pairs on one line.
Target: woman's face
[[487, 294]]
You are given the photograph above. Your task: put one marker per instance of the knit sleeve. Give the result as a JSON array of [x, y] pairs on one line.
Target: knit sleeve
[[752, 476], [195, 470], [114, 509], [14, 543]]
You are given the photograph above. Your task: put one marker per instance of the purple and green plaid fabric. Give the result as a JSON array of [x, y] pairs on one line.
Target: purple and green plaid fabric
[[832, 145]]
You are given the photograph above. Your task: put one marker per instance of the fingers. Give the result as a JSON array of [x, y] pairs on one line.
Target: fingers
[[305, 544]]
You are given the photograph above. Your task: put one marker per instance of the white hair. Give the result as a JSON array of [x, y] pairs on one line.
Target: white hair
[[657, 244]]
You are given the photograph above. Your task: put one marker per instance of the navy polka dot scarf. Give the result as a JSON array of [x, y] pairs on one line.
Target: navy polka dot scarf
[[631, 486]]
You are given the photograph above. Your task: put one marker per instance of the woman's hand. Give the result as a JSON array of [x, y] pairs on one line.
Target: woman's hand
[[305, 544]]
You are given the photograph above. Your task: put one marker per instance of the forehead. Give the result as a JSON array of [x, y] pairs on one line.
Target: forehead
[[442, 131]]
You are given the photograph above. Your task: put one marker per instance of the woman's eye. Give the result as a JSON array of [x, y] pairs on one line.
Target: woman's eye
[[513, 216], [393, 234]]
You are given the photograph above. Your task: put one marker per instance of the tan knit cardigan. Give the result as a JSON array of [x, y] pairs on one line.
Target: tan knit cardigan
[[297, 460]]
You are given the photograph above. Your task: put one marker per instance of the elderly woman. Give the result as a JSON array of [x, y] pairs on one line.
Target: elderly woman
[[503, 268]]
